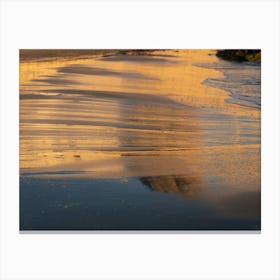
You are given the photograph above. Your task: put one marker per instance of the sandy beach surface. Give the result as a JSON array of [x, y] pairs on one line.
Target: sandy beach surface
[[168, 139]]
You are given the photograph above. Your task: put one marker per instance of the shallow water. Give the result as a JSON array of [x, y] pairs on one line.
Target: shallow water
[[168, 132], [103, 204]]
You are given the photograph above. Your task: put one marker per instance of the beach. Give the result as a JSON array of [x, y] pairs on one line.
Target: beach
[[150, 140]]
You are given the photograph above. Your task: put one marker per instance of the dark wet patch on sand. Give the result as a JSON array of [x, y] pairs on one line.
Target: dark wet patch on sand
[[106, 94], [95, 71], [56, 80], [138, 59]]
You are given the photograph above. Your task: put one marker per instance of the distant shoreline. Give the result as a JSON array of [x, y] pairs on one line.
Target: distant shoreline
[[27, 55]]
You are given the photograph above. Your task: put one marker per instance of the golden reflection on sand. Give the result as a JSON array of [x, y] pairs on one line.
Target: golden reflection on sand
[[132, 116]]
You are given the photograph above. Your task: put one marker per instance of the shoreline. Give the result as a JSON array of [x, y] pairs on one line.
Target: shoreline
[[30, 55], [37, 55]]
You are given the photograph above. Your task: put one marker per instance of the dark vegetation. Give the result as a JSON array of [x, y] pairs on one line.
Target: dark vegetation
[[240, 55]]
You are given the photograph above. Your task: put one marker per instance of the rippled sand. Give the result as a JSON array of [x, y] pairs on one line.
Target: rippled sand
[[165, 117]]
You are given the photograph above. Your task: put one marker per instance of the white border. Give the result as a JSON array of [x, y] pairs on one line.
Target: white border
[[156, 24]]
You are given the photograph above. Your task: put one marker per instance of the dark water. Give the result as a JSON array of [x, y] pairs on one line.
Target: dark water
[[133, 204]]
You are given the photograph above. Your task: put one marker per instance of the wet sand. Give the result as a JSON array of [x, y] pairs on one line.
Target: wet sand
[[172, 125]]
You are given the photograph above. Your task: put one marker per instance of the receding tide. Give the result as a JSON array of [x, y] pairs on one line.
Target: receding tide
[[140, 139]]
